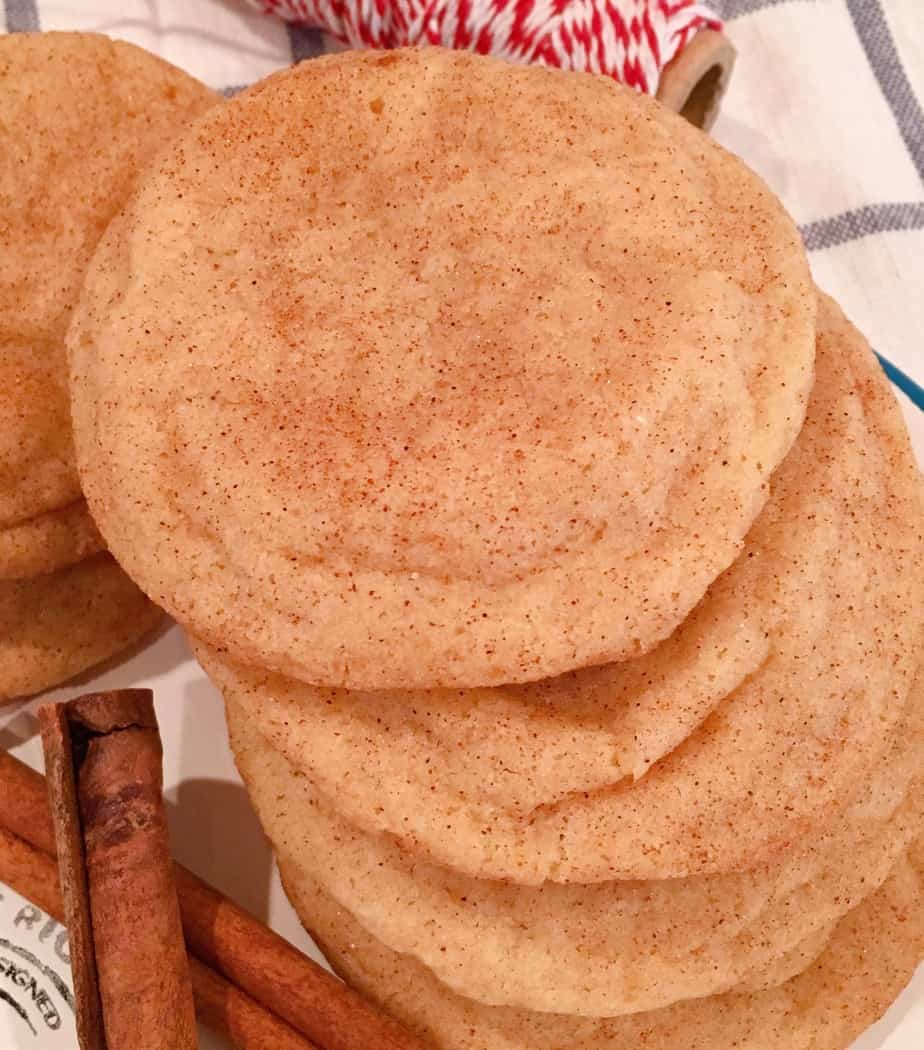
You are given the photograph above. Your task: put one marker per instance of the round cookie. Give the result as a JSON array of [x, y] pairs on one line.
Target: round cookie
[[797, 960], [80, 114], [871, 956], [603, 949], [832, 571], [484, 398], [49, 542], [54, 627]]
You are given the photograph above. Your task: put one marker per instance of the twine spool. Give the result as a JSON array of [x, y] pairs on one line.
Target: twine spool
[[674, 49]]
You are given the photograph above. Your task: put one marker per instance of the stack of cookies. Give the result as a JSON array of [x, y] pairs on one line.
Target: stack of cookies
[[79, 116], [557, 548]]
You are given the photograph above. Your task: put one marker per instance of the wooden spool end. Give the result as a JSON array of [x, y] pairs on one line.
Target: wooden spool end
[[693, 83]]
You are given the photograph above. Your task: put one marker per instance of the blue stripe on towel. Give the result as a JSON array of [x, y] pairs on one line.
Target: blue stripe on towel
[[904, 382]]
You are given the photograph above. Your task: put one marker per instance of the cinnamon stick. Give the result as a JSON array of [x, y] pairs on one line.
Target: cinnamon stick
[[73, 876], [31, 873], [24, 807], [131, 980], [219, 1004], [281, 977], [233, 942]]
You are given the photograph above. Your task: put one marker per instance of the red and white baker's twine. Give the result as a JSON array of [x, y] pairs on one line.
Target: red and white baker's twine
[[630, 40]]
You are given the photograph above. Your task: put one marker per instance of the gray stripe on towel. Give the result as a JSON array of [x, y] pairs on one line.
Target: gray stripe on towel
[[21, 16], [730, 9], [873, 30], [862, 222]]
